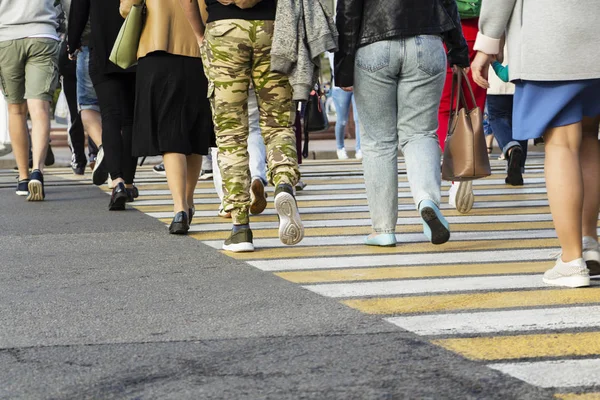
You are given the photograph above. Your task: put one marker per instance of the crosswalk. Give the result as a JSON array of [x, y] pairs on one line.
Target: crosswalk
[[480, 295]]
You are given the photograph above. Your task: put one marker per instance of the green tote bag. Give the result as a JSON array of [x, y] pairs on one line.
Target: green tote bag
[[124, 51]]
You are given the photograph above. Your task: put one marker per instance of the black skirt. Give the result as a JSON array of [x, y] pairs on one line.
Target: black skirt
[[172, 112]]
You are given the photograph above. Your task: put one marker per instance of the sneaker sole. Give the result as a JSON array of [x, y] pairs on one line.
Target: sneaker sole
[[514, 176], [99, 175], [438, 233], [22, 193], [291, 229], [239, 247], [36, 191], [119, 204], [569, 281], [161, 173], [259, 203], [464, 197], [206, 177]]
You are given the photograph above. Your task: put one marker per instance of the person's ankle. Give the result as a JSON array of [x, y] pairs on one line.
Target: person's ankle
[[239, 227]]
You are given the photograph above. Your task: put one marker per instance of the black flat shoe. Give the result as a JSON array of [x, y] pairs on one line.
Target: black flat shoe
[[191, 213], [118, 198], [132, 194], [180, 224]]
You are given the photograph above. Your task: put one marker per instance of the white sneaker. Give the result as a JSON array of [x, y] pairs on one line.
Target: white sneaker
[[342, 155], [460, 196], [591, 255], [572, 274], [358, 155]]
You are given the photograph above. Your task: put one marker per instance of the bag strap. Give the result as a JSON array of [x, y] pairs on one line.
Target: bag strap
[[457, 96], [464, 74]]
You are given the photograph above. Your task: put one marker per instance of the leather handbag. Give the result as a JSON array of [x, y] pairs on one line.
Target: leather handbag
[[124, 51], [465, 153], [315, 116]]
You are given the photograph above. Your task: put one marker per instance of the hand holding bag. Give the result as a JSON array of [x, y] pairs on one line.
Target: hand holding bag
[[124, 51], [465, 153], [315, 116]]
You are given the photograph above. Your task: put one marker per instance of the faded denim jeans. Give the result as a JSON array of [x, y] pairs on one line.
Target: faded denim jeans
[[398, 85]]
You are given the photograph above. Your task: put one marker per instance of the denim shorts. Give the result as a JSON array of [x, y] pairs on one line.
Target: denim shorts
[[86, 95]]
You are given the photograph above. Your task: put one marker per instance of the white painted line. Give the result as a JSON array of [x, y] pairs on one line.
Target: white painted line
[[539, 319], [317, 241], [554, 374], [351, 196], [335, 186], [420, 286], [479, 219], [297, 264], [333, 209]]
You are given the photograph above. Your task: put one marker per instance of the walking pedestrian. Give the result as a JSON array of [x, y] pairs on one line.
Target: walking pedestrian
[[500, 107], [245, 37], [342, 101], [460, 194], [115, 88], [393, 54], [82, 100], [172, 113], [555, 65], [29, 47]]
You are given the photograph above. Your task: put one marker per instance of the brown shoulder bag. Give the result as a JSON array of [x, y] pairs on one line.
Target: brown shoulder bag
[[465, 153]]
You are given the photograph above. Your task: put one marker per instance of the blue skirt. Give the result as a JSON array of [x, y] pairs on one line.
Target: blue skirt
[[540, 105]]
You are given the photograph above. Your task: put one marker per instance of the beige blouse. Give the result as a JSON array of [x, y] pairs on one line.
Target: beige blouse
[[166, 28]]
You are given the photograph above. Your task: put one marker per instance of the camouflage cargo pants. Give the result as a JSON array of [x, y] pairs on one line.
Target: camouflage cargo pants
[[238, 52]]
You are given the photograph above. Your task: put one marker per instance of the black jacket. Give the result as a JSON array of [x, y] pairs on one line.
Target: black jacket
[[361, 22]]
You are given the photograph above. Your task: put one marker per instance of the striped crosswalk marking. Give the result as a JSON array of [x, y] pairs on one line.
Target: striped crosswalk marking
[[480, 295]]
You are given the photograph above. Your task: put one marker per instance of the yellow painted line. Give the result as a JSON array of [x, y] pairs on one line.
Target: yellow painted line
[[524, 346], [430, 271], [344, 250], [578, 396], [365, 230], [475, 301]]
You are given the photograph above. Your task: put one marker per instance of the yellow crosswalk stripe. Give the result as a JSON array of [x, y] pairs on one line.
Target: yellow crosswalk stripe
[[365, 230], [430, 271], [476, 301], [578, 396], [329, 251], [524, 346]]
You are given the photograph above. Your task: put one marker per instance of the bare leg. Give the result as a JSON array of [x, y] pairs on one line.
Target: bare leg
[[19, 137], [590, 165], [194, 165], [40, 132], [92, 123], [176, 169], [564, 182]]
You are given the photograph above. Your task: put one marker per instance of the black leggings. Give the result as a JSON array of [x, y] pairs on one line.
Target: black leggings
[[116, 96]]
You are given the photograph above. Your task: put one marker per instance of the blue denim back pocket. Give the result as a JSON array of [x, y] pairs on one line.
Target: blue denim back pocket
[[431, 55], [374, 56]]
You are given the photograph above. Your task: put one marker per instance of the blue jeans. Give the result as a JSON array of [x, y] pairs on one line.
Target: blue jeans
[[500, 111], [398, 85], [86, 94], [342, 101], [256, 145]]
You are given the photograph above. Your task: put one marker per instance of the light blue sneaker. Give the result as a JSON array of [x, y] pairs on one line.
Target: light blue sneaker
[[381, 240], [435, 226]]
